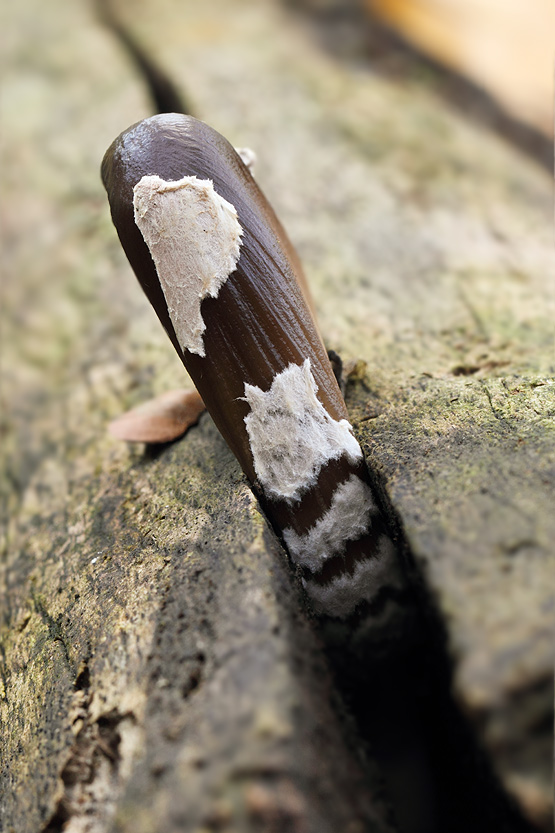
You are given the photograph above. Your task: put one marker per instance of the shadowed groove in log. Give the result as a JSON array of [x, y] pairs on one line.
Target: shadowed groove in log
[[163, 92], [397, 684]]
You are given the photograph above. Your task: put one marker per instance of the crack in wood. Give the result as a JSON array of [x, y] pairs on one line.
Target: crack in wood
[[91, 771], [164, 93]]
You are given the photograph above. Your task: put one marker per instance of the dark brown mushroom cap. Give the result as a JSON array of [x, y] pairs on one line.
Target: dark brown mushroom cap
[[260, 322]]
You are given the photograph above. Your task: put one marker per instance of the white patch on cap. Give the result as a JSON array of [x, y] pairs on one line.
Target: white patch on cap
[[194, 237], [341, 596], [291, 434], [346, 520]]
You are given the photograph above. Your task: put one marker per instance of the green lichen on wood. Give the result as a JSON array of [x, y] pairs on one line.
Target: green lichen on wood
[[174, 596]]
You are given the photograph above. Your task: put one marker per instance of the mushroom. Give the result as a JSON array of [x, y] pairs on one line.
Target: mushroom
[[228, 287]]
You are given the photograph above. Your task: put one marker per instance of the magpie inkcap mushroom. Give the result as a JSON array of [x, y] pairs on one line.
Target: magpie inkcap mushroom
[[227, 286]]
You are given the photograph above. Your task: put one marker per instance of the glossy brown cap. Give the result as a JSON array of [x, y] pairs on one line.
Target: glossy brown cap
[[260, 322]]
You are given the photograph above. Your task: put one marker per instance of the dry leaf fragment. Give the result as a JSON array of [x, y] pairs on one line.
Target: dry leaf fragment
[[159, 420]]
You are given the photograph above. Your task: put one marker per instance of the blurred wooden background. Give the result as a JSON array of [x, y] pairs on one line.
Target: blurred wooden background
[[504, 46]]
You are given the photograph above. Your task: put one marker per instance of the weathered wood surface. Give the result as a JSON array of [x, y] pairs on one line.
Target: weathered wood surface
[[156, 667], [142, 596]]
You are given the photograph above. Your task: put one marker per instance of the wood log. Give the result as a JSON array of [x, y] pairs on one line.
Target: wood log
[[158, 668]]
